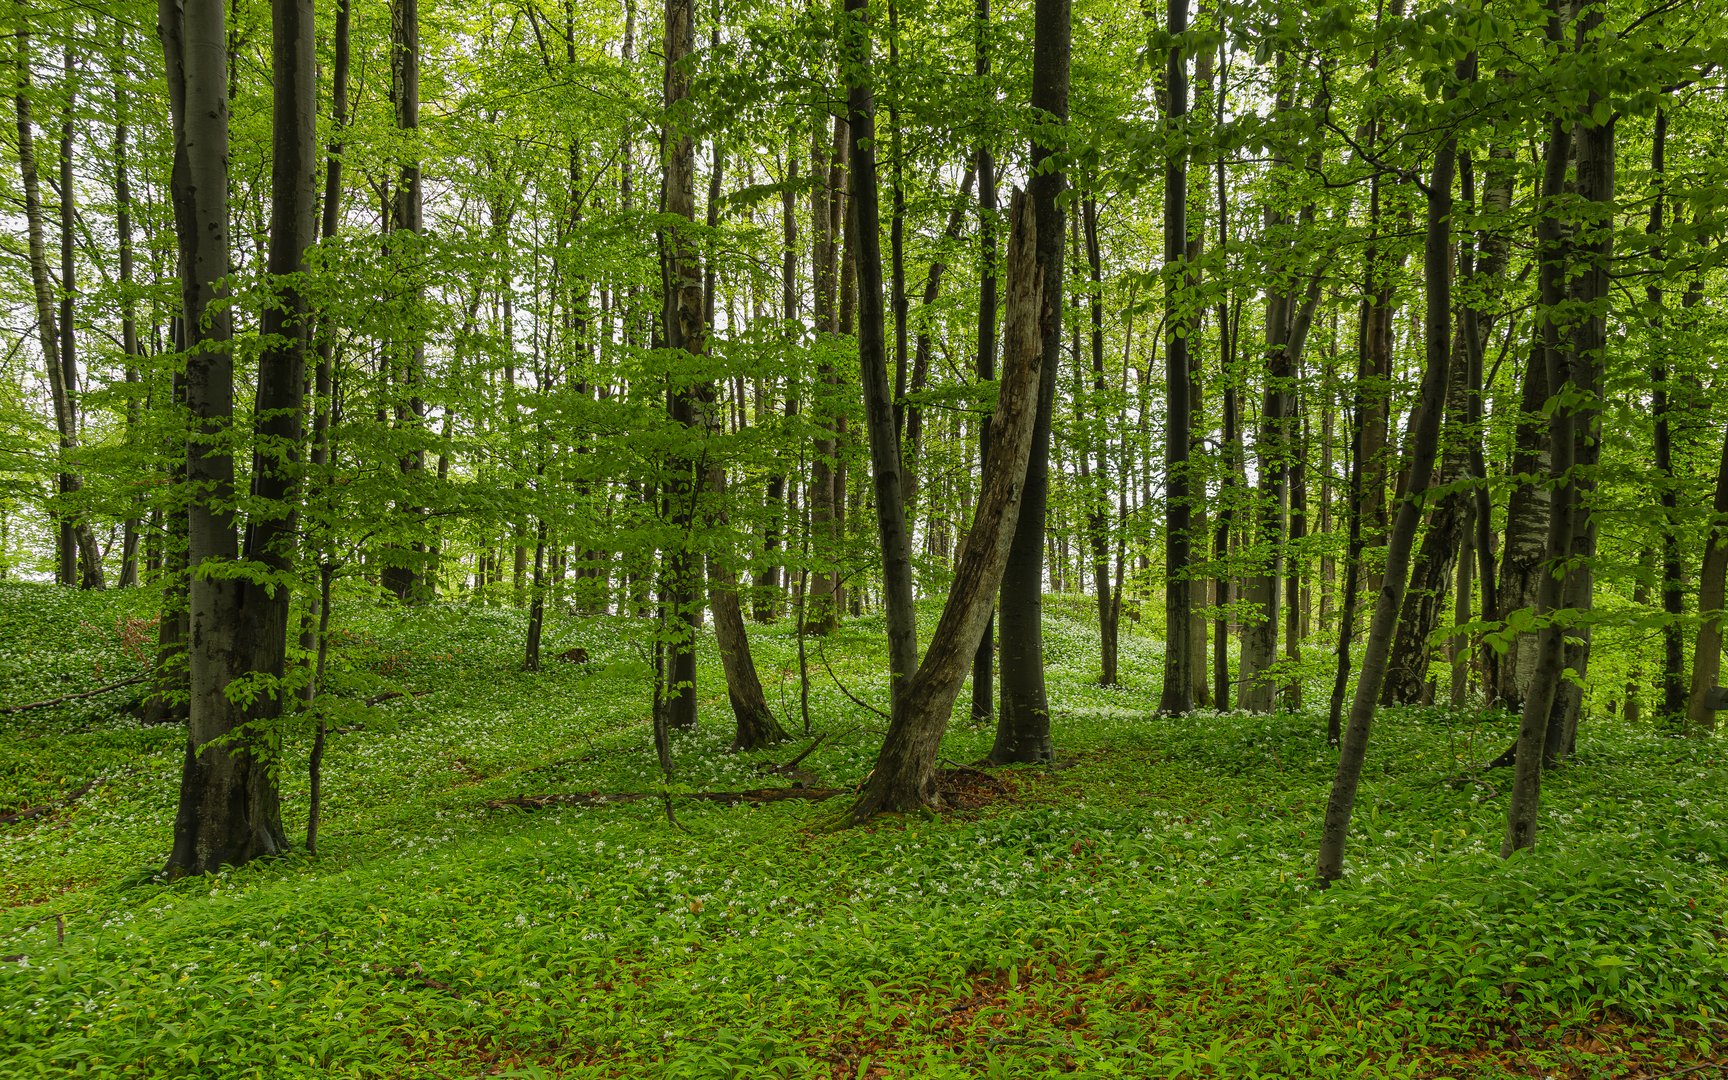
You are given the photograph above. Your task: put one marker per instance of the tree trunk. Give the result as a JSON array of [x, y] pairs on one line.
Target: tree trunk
[[1425, 432], [229, 809], [984, 657], [684, 329], [864, 242], [1023, 728], [1712, 600], [73, 535], [1569, 355], [905, 774], [1177, 697], [1674, 689]]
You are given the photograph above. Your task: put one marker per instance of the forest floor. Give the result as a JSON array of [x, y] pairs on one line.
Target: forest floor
[[1145, 909]]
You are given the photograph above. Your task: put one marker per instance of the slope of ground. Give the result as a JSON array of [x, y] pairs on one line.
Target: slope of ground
[[1145, 909]]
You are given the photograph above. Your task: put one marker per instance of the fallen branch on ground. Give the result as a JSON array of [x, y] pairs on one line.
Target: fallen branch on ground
[[47, 808], [11, 709], [724, 798], [392, 695]]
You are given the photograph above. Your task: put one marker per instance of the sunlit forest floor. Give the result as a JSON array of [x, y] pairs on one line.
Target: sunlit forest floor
[[1144, 909]]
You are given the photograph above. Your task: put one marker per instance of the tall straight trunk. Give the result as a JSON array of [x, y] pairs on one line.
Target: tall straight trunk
[[317, 617], [1674, 689], [905, 774], [684, 328], [88, 570], [913, 427], [1568, 375], [1702, 700], [407, 575], [229, 808], [1098, 512], [863, 241], [1425, 439], [1023, 728], [828, 165], [1296, 561], [72, 535], [768, 576], [1230, 482], [129, 343], [1177, 697], [984, 657], [1589, 297]]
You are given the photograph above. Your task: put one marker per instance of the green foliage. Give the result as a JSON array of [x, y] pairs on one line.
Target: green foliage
[[1143, 909]]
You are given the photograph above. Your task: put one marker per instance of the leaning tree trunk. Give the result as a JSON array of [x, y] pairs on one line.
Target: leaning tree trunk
[[905, 774], [1437, 277]]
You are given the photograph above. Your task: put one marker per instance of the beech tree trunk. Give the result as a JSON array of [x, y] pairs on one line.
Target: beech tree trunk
[[984, 657], [73, 536], [1425, 431], [1023, 727], [1177, 696], [905, 774], [229, 808], [1712, 600]]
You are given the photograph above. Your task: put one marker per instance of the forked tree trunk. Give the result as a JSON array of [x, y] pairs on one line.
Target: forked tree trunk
[[905, 773]]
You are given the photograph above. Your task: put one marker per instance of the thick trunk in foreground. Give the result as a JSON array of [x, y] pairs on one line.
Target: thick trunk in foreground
[[229, 809]]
